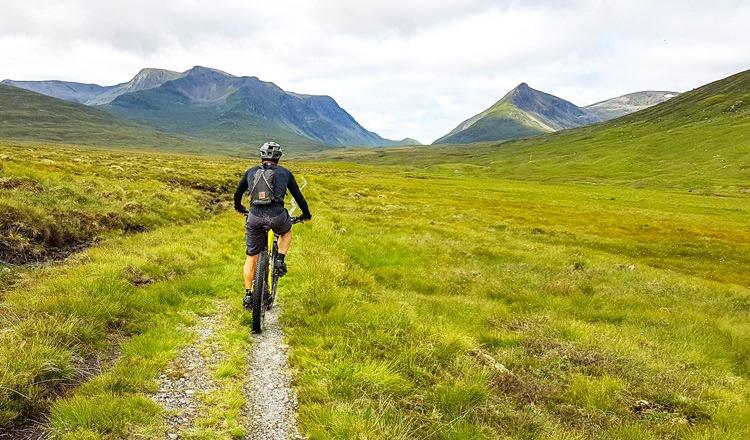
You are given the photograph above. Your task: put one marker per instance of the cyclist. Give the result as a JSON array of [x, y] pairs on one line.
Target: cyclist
[[267, 184]]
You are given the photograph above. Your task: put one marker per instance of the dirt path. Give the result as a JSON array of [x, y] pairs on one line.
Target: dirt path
[[272, 411]]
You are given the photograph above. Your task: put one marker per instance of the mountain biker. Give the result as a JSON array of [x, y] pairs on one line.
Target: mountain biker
[[267, 184]]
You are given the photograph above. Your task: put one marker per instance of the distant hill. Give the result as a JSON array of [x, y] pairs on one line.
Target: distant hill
[[26, 115], [626, 104], [215, 106], [698, 140], [406, 141], [210, 103], [523, 112]]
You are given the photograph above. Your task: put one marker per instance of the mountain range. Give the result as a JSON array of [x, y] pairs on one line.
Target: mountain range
[[214, 107], [525, 112], [211, 105]]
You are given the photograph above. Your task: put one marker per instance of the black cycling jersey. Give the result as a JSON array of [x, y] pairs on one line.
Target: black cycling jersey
[[283, 180]]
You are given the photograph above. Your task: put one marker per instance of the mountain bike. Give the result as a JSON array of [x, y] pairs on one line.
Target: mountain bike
[[266, 279]]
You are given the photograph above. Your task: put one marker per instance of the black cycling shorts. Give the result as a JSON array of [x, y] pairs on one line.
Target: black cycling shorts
[[255, 235]]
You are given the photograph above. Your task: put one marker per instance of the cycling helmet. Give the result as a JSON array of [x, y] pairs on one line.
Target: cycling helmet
[[270, 151]]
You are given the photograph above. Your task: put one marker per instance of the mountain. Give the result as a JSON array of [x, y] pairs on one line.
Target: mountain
[[26, 115], [697, 141], [93, 94], [626, 104], [407, 141], [215, 106], [523, 112], [209, 103]]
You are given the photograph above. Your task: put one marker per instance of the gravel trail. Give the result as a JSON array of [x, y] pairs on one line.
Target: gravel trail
[[272, 412], [189, 375]]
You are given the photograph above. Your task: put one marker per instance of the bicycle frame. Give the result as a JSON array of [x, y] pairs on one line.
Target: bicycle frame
[[266, 279], [272, 249]]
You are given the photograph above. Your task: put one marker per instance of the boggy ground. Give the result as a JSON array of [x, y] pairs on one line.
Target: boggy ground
[[618, 313]]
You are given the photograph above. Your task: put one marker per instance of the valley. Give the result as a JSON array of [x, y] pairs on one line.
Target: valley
[[585, 284]]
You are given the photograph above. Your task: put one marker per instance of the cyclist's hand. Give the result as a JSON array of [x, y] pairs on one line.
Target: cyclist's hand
[[242, 210], [305, 217]]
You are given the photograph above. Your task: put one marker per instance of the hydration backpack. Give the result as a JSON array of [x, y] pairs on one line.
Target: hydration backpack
[[261, 193]]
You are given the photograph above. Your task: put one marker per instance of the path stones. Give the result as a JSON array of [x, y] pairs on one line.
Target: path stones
[[272, 411]]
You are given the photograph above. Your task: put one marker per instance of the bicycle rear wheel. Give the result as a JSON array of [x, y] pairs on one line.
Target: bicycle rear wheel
[[259, 289]]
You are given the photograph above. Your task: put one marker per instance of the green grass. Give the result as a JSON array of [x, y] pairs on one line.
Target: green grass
[[594, 297], [590, 310], [62, 316]]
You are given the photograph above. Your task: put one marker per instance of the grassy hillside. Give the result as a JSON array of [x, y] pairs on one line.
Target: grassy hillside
[[699, 140], [501, 122], [32, 117], [605, 304], [26, 115]]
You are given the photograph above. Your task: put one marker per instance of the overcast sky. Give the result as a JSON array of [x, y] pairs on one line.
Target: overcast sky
[[401, 67]]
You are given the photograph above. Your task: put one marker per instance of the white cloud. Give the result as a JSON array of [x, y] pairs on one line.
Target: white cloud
[[402, 68]]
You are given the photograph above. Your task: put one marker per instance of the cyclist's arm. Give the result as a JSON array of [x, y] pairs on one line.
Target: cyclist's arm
[[298, 197], [238, 193]]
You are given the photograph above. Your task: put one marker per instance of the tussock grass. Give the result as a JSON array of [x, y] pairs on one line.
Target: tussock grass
[[55, 200], [595, 298]]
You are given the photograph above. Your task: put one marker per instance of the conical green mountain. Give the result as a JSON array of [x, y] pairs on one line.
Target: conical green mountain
[[523, 112]]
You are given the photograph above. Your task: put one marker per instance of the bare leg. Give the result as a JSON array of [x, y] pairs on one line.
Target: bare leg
[[285, 241], [248, 271]]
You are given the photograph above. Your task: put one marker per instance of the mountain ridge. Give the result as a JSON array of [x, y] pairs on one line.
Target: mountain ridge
[[95, 94], [622, 105], [30, 116], [208, 103]]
